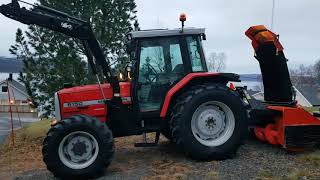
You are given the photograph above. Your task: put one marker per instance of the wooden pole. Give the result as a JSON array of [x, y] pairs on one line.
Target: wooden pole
[[10, 111], [17, 110]]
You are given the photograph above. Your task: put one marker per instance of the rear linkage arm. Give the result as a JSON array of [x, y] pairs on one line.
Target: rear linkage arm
[[61, 22]]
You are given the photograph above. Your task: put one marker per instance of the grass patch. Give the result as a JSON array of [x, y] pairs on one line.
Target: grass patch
[[311, 109], [312, 158], [32, 133], [25, 154], [301, 174], [266, 175], [292, 175]]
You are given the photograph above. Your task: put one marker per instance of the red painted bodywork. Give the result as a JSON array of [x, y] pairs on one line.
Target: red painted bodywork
[[290, 116], [125, 92], [180, 85], [88, 100], [86, 93]]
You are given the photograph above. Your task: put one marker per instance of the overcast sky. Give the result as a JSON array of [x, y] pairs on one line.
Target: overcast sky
[[297, 22]]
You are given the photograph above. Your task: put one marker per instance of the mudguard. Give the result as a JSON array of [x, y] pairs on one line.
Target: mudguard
[[207, 77]]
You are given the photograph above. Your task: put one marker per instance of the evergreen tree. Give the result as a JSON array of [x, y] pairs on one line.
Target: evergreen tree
[[52, 59]]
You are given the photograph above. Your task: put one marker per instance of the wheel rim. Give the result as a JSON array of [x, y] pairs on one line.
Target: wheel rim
[[78, 150], [212, 123]]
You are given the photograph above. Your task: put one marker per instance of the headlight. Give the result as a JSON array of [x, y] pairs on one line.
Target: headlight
[[57, 107]]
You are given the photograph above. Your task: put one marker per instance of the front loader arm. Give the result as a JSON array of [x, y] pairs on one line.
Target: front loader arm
[[66, 24]]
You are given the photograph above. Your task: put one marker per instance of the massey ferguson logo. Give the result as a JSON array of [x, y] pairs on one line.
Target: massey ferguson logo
[[83, 103], [66, 26], [74, 104]]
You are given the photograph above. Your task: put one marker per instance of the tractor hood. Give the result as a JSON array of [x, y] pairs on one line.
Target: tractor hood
[[86, 100], [85, 93]]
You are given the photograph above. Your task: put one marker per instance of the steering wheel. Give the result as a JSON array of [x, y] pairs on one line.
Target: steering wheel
[[149, 73]]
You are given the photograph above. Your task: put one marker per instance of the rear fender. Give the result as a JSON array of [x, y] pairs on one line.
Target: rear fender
[[192, 79]]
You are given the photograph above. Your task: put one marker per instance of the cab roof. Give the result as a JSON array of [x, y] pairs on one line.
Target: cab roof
[[166, 32]]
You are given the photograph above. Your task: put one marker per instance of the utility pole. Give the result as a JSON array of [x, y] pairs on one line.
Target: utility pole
[[272, 14]]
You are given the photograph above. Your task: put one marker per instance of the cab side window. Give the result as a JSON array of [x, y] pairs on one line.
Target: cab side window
[[194, 53]]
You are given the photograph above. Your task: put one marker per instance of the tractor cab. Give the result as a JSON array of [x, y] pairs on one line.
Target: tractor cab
[[160, 59]]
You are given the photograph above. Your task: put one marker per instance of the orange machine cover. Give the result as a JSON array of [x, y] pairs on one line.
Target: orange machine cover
[[260, 35]]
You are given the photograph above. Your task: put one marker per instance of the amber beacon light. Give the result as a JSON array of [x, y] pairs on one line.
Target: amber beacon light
[[183, 18]]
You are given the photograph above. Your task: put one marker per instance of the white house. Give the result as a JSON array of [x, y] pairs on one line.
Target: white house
[[14, 97]]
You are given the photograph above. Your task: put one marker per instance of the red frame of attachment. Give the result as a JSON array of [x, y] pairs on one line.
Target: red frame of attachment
[[289, 116]]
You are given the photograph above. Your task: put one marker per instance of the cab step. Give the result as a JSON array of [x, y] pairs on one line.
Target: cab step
[[145, 143]]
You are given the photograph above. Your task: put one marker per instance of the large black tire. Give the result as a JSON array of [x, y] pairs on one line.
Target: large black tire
[[182, 114], [78, 123]]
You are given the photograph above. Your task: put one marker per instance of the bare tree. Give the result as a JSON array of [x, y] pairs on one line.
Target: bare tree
[[259, 86], [303, 76], [216, 62], [317, 71]]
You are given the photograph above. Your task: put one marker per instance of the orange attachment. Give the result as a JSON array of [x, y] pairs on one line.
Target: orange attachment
[[260, 35], [259, 132], [183, 17], [271, 134], [293, 128]]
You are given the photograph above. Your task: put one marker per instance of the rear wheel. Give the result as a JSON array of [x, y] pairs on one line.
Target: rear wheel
[[78, 147], [209, 122]]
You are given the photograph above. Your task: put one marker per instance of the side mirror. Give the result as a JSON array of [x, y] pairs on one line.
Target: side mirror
[[204, 37], [129, 70]]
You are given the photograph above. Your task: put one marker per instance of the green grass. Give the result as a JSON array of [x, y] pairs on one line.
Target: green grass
[[35, 131], [311, 109], [266, 175], [25, 153], [312, 158], [32, 133]]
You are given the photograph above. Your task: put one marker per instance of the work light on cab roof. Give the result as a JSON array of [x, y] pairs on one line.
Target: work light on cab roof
[[183, 18]]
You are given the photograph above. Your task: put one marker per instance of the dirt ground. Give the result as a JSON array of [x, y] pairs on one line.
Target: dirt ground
[[253, 161]]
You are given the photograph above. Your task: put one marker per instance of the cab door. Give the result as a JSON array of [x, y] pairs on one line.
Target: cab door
[[160, 63]]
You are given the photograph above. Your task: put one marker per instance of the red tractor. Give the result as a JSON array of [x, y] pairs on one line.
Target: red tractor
[[166, 89]]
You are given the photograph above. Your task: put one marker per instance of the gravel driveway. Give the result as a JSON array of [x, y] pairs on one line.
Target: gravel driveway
[[252, 161]]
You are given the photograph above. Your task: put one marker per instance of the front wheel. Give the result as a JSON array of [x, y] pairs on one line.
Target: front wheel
[[209, 122], [78, 147]]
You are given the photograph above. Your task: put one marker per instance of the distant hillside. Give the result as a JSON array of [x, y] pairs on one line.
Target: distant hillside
[[10, 65]]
